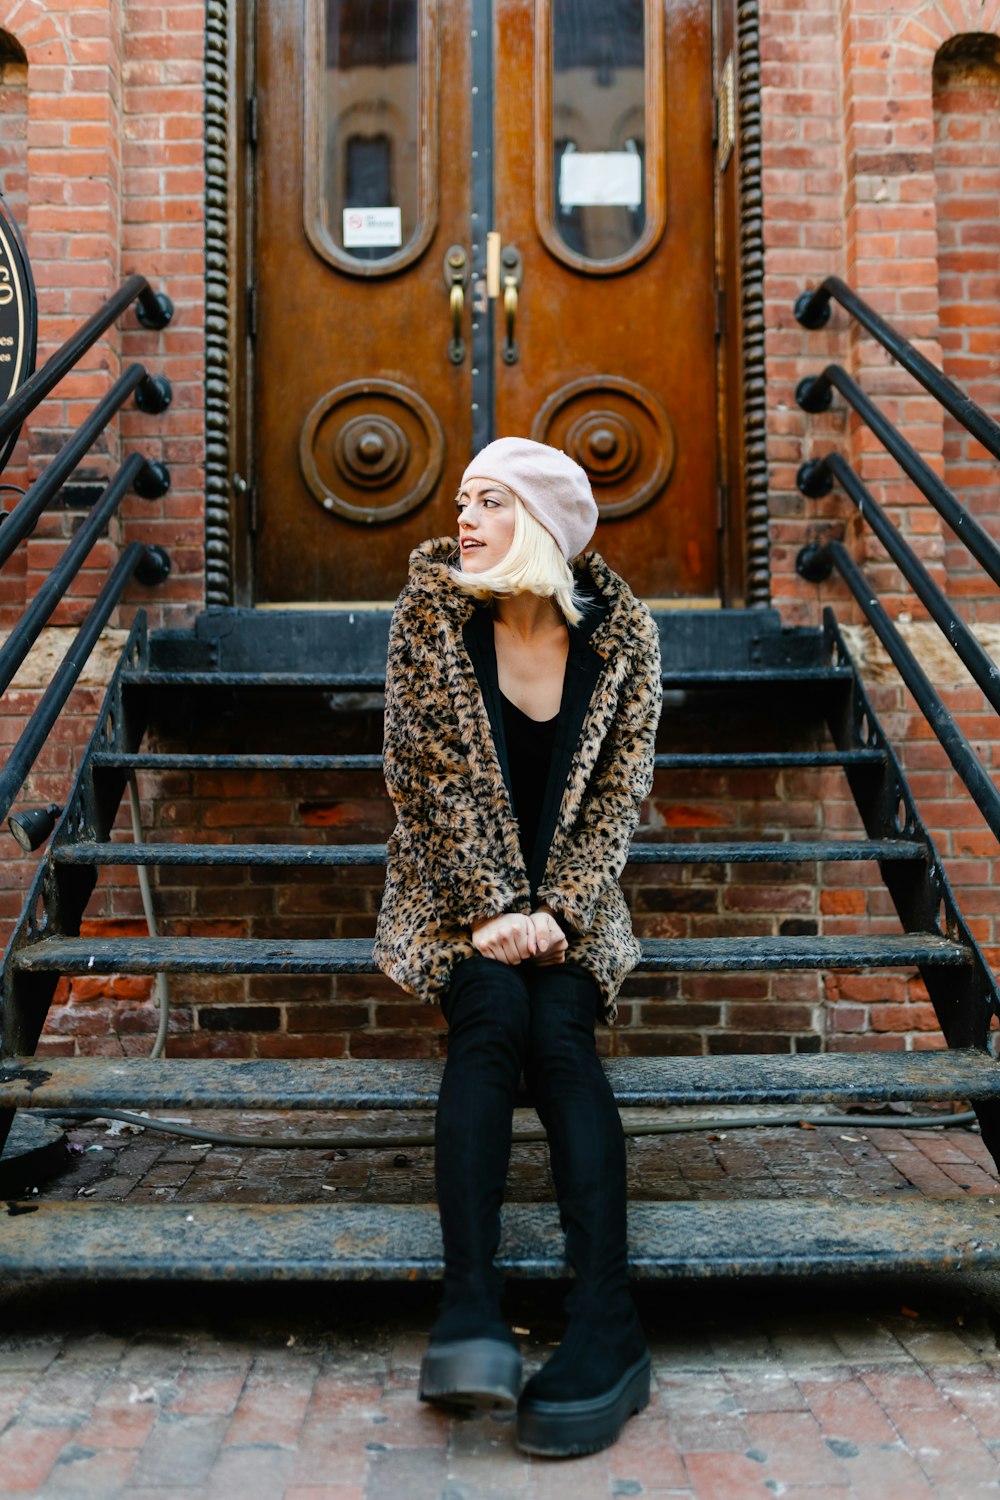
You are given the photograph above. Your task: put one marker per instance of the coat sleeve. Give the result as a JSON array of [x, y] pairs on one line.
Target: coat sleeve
[[439, 829], [596, 850]]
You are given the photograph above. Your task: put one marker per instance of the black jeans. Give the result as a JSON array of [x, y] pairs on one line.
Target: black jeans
[[504, 1019]]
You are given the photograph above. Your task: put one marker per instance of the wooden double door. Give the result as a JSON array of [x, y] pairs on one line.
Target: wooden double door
[[475, 219]]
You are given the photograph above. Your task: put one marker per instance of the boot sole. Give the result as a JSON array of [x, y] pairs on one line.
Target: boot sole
[[566, 1429], [471, 1375]]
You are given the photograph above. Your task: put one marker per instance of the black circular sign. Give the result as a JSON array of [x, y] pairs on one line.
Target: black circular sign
[[18, 316]]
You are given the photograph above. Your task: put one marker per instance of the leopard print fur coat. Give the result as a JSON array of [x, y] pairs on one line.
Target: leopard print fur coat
[[454, 856]]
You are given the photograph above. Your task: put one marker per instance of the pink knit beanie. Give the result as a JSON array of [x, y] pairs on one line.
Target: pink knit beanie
[[554, 489]]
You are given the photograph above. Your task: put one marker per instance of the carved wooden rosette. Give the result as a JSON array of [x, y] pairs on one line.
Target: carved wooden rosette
[[619, 433], [371, 451]]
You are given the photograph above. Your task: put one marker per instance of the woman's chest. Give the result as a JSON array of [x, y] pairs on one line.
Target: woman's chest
[[531, 675]]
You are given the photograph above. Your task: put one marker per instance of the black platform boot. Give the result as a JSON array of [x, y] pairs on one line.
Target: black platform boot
[[599, 1376], [473, 1361]]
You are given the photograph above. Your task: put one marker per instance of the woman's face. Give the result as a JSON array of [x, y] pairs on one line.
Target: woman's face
[[485, 523]]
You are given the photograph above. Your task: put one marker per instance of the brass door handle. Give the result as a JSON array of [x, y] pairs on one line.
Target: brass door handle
[[456, 349], [456, 274], [513, 272]]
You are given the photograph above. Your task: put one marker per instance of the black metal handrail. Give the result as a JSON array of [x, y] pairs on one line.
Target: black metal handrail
[[816, 560], [22, 520], [812, 309], [154, 310], [961, 754], [150, 565], [978, 661], [814, 394], [150, 479], [28, 628]]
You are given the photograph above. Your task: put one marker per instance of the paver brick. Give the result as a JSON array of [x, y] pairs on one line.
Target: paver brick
[[82, 1473], [207, 1392], [845, 1408], [27, 1454], [117, 1425], [794, 1449], [946, 1446], [726, 1476], [257, 1471], [271, 1410], [179, 1450]]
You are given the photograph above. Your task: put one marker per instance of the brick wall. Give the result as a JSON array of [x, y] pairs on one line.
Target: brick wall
[[905, 226], [114, 162], [967, 196]]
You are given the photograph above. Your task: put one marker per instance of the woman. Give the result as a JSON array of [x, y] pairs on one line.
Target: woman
[[522, 698]]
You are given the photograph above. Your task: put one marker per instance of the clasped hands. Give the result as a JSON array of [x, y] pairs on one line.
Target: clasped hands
[[513, 937]]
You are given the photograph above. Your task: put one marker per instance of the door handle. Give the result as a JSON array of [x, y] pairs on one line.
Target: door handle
[[456, 276], [513, 274]]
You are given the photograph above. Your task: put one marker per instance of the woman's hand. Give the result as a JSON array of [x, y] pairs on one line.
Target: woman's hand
[[508, 938], [550, 940]]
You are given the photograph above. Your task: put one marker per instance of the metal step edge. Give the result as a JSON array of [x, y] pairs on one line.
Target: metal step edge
[[356, 681], [687, 761], [360, 1241], [373, 1084], [791, 851], [143, 955]]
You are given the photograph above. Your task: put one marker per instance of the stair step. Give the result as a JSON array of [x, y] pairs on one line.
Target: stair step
[[359, 681], [353, 955], [652, 1082], [360, 1241], [793, 851], [166, 762], [687, 761]]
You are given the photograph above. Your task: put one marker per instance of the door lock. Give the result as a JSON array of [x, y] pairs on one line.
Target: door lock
[[456, 278]]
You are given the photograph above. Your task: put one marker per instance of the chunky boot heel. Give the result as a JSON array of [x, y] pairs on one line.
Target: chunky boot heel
[[473, 1374], [567, 1429]]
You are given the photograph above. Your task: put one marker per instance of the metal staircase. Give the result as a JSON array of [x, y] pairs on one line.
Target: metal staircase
[[726, 674]]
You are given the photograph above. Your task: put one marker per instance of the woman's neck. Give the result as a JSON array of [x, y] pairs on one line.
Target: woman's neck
[[527, 615]]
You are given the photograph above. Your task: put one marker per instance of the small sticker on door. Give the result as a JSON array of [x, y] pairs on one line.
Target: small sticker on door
[[588, 178], [368, 227]]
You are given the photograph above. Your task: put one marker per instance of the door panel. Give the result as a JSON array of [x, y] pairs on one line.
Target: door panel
[[617, 366], [362, 420], [602, 178]]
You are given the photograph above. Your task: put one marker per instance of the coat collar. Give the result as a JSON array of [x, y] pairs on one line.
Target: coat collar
[[608, 628]]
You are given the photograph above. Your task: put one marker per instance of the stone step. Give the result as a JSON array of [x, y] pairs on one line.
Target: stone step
[[98, 1083], [745, 851], [688, 760], [187, 955], [359, 1241], [352, 682]]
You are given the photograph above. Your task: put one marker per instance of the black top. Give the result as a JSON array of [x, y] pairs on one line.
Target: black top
[[583, 668], [529, 755]]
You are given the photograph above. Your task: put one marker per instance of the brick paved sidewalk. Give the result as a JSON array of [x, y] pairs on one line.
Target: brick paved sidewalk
[[882, 1391]]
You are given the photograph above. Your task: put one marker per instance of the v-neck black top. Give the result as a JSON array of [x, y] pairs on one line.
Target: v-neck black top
[[530, 743], [583, 667]]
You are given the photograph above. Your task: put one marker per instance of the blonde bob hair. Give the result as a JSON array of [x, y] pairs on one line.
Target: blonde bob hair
[[533, 564]]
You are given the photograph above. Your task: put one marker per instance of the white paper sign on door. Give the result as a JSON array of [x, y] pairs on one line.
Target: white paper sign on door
[[368, 227], [588, 178]]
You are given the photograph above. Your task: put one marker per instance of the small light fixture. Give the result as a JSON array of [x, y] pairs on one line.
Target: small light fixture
[[32, 827]]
